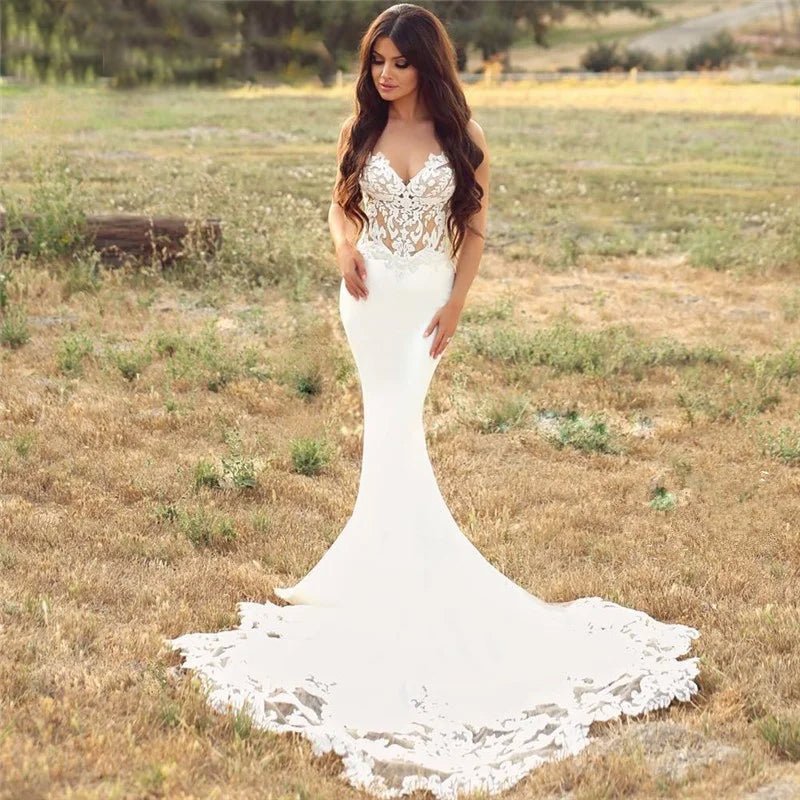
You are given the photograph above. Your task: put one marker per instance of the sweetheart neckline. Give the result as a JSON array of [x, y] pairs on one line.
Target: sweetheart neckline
[[407, 183]]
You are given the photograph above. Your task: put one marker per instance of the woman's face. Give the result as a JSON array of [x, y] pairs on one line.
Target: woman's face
[[393, 76]]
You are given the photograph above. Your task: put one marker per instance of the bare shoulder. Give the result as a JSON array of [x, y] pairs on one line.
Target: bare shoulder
[[344, 132], [476, 134]]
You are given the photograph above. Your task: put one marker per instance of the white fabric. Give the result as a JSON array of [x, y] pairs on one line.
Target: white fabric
[[404, 650]]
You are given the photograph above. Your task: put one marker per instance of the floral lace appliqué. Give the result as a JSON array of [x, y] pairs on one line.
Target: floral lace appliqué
[[407, 220]]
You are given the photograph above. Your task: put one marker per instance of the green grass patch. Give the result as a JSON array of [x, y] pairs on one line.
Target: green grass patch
[[587, 433], [203, 359], [14, 331], [71, 353], [785, 445], [310, 456], [782, 733], [503, 415], [207, 529], [566, 348]]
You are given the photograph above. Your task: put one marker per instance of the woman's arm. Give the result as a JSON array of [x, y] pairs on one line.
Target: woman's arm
[[342, 228], [445, 320], [471, 251], [344, 233]]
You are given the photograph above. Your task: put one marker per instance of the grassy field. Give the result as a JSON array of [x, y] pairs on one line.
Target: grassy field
[[618, 415]]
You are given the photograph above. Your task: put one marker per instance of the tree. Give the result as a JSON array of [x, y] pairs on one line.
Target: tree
[[131, 42]]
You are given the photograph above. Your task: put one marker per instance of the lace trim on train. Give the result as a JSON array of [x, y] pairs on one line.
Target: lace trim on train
[[490, 758]]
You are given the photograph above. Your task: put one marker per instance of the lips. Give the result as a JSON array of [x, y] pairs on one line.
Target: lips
[[384, 86]]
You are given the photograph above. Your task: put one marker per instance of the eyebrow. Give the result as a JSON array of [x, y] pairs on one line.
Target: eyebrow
[[394, 58]]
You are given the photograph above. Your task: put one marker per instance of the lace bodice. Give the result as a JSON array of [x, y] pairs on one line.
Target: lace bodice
[[406, 219]]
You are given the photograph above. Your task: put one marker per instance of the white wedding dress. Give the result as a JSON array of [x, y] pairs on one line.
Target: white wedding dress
[[404, 650]]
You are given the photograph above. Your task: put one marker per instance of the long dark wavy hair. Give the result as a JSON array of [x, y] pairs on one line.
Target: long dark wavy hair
[[424, 42]]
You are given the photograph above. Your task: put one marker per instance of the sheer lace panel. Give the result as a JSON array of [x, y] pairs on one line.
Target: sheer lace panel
[[406, 218]]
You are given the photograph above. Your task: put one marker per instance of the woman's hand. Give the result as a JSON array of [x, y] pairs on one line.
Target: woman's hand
[[447, 320], [354, 271]]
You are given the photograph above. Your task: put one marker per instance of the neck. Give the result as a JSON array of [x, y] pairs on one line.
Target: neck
[[410, 108]]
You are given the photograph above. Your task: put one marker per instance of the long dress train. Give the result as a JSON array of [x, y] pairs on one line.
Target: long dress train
[[403, 649]]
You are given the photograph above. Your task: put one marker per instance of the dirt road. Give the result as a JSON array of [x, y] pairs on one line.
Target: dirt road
[[693, 31]]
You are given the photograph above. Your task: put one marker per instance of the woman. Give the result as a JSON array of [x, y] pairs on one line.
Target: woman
[[404, 650]]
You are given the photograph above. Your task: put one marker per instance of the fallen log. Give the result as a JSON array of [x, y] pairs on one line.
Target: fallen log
[[120, 237]]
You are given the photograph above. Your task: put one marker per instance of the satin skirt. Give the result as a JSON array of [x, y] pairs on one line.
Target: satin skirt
[[403, 649]]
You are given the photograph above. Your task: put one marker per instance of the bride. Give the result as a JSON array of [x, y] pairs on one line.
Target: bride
[[403, 649]]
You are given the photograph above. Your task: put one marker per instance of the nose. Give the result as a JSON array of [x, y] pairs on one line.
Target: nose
[[385, 71]]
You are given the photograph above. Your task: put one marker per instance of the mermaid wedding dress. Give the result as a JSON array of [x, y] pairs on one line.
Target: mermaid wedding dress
[[403, 649]]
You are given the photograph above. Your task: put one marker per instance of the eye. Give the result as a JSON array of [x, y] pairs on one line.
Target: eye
[[405, 64]]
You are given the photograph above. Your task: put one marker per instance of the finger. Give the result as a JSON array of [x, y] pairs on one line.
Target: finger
[[436, 345], [356, 287], [353, 289], [361, 274], [432, 325], [358, 284], [445, 341], [361, 267]]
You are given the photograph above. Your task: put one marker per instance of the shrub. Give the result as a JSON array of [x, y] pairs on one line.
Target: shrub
[[14, 328], [718, 51], [673, 62], [784, 446], [131, 363], [206, 529], [56, 225], [72, 350], [601, 57], [240, 471], [5, 279], [641, 59], [310, 456], [205, 474]]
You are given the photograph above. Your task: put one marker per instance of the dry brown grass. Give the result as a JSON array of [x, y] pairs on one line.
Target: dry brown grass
[[93, 579], [102, 552]]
